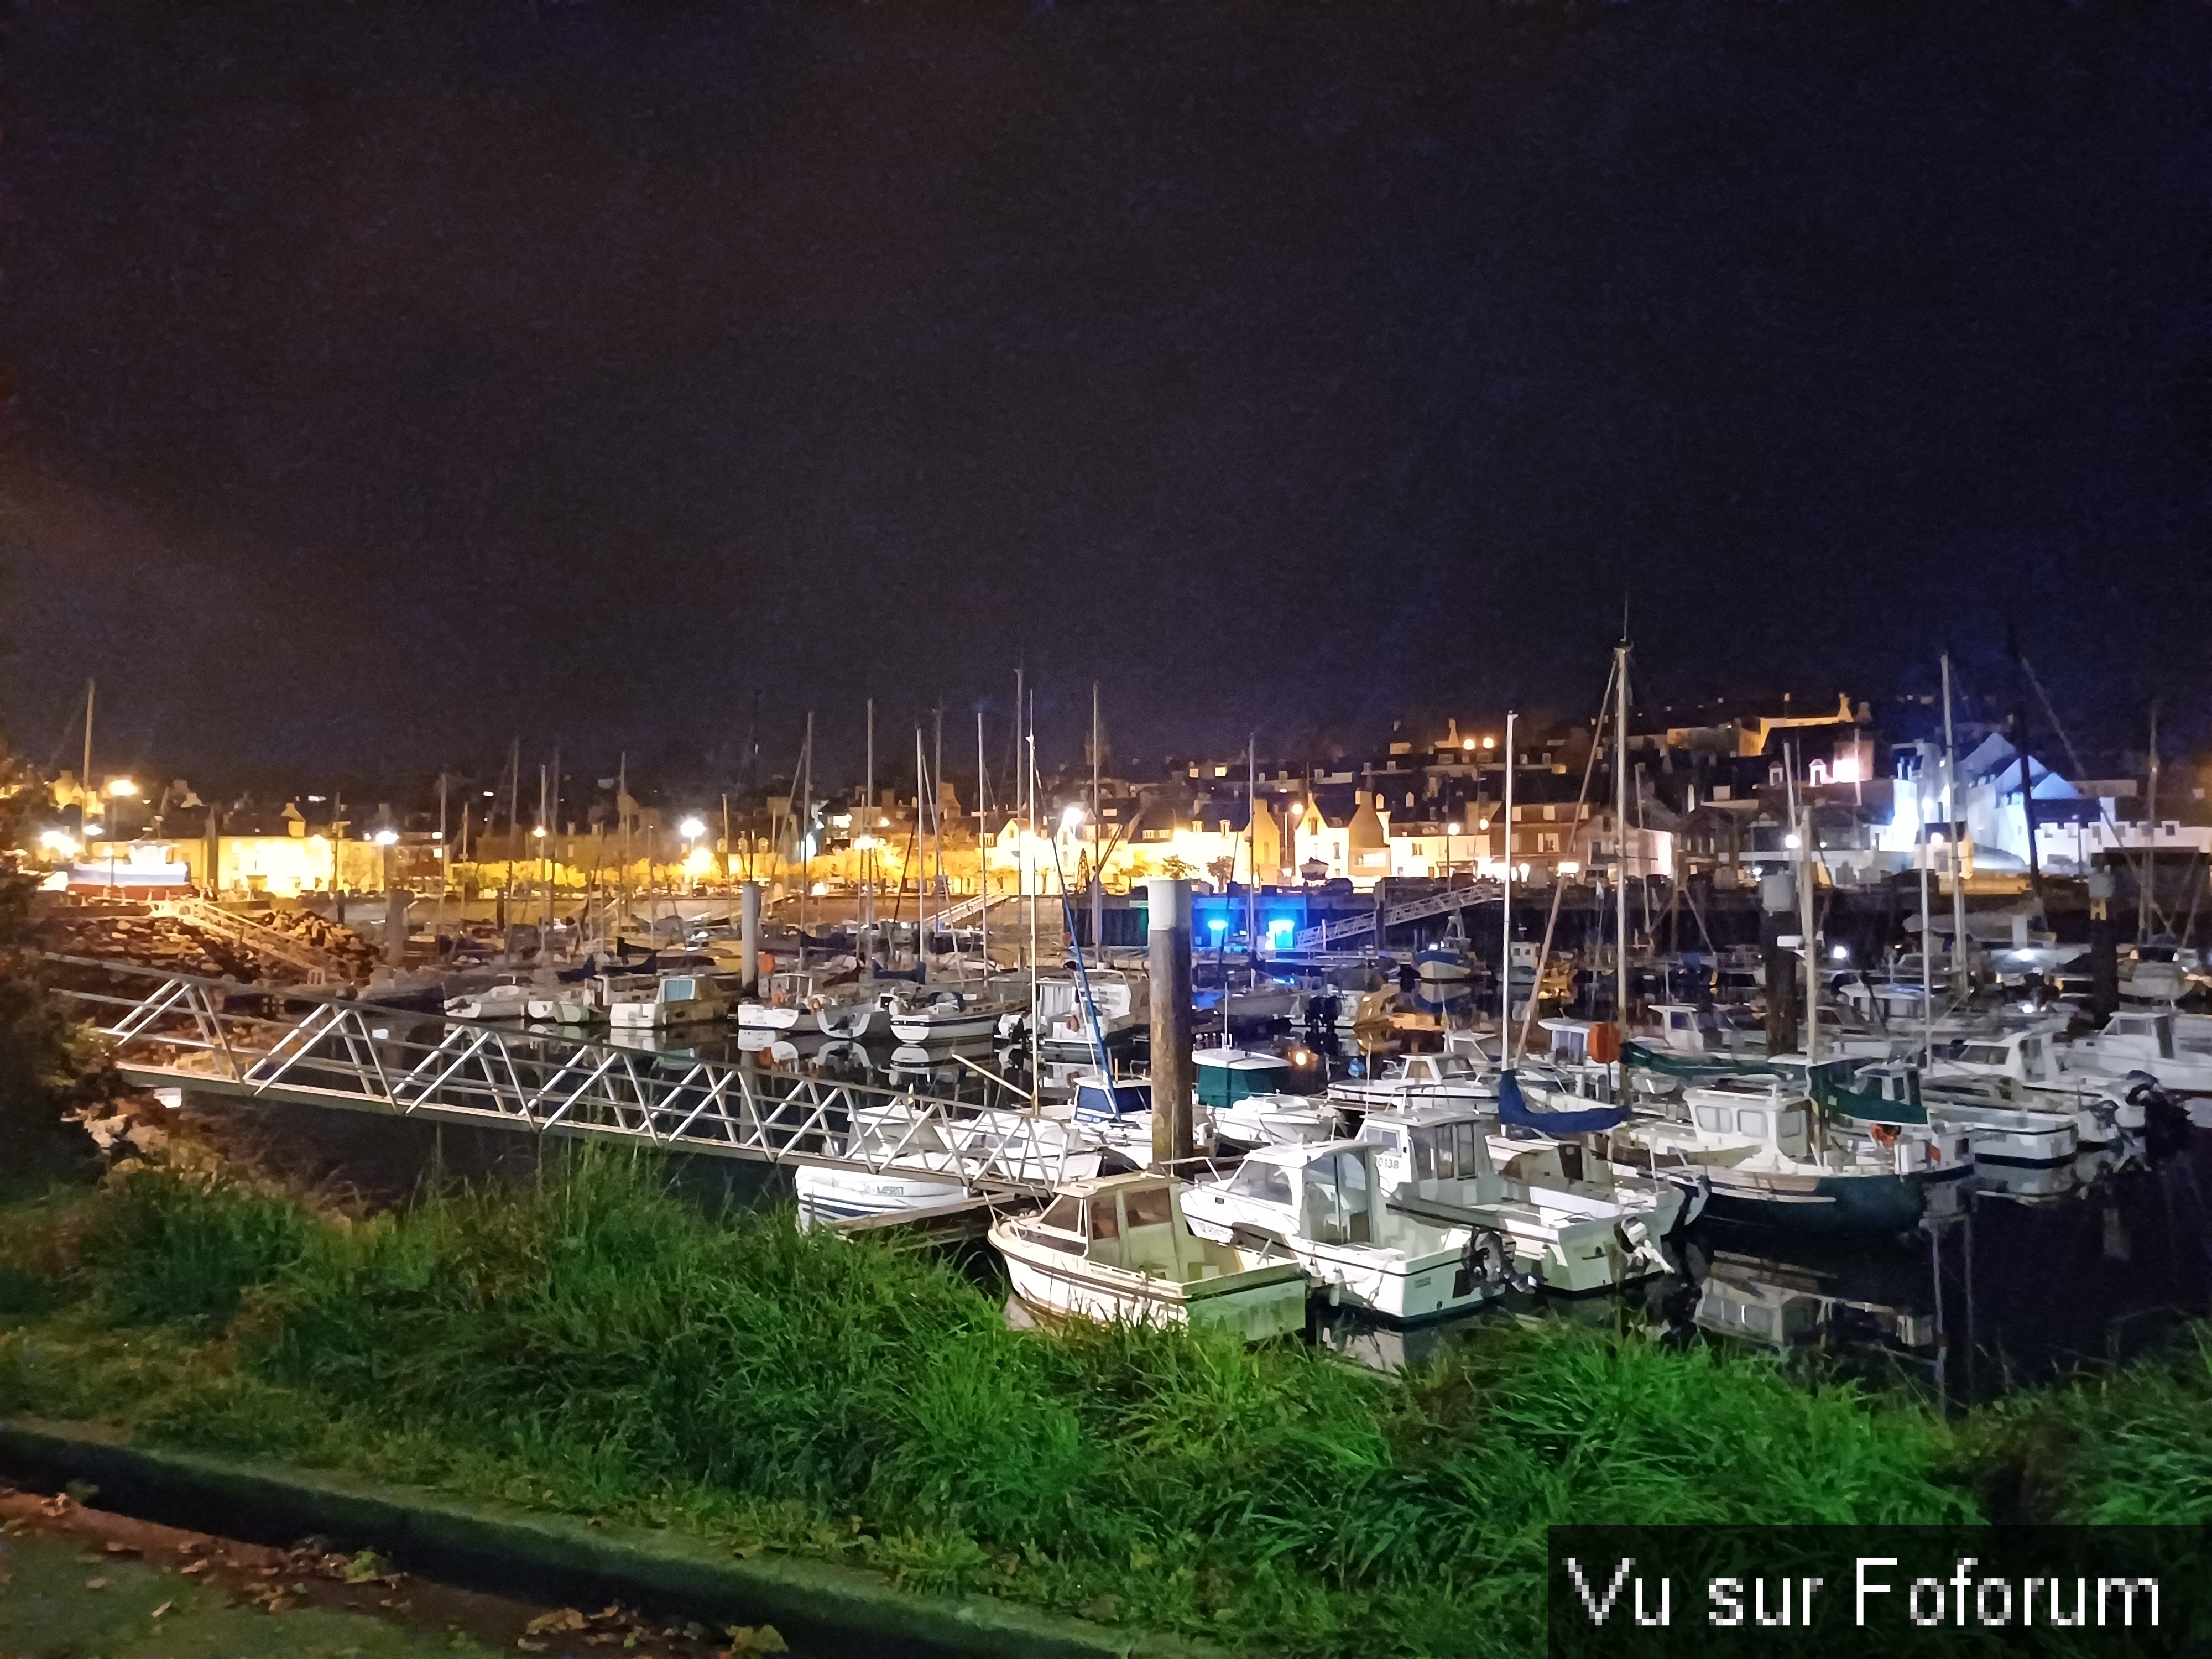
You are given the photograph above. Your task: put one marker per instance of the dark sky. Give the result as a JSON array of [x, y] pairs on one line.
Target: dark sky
[[389, 379]]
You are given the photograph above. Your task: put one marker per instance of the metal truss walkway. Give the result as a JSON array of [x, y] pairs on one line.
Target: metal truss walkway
[[1324, 934], [313, 1048]]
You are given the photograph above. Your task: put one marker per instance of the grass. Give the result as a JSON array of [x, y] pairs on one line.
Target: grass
[[592, 1344]]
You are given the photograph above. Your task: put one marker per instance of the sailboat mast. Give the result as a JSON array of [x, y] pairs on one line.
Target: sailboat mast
[[1251, 845], [805, 827], [868, 851], [2145, 905], [85, 813], [922, 860], [1506, 911], [937, 817], [1952, 837], [1927, 961], [1620, 831], [1098, 838], [1801, 809], [983, 845]]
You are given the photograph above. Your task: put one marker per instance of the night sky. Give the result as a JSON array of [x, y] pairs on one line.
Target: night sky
[[387, 380]]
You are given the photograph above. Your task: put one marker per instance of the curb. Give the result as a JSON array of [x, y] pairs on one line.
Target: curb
[[826, 1610]]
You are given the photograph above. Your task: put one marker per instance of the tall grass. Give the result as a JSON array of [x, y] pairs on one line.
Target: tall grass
[[592, 1343]]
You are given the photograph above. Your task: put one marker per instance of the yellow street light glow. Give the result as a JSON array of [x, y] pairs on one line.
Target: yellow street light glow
[[386, 838], [1469, 743], [538, 833], [59, 841], [1072, 817], [1451, 829], [96, 830], [1490, 743], [121, 786], [691, 828]]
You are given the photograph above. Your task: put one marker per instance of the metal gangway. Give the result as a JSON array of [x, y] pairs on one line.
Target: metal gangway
[[1322, 935], [319, 965], [312, 1048]]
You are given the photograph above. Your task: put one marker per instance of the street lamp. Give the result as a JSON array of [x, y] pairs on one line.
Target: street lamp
[[121, 786], [1071, 819], [386, 838]]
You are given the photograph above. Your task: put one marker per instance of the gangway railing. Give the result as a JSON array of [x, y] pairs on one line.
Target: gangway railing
[[972, 906], [1324, 934], [271, 942], [304, 1047]]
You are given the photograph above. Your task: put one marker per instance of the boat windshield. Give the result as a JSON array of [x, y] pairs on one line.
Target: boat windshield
[[1270, 1182], [1336, 1198], [1149, 1206], [1455, 1065]]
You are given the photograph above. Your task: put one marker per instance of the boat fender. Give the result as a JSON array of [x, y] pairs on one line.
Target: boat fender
[[1335, 1292]]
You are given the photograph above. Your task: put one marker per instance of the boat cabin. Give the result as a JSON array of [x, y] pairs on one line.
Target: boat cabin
[[1131, 1222], [1761, 1114], [1226, 1076], [2148, 1034], [2023, 1056], [1099, 1098], [1424, 1150], [1329, 1193], [1897, 1084], [1679, 1031], [1431, 1069]]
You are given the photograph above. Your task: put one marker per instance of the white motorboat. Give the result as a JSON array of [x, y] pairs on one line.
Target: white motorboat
[[1325, 1205], [2143, 1040], [1436, 1166], [672, 1000], [1274, 1120], [1446, 960], [2028, 1063], [945, 1016], [1119, 1250], [508, 998], [1445, 1079], [853, 1011], [1066, 1029], [785, 998]]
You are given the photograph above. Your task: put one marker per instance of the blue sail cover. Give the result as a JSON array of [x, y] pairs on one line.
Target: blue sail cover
[[1514, 1112]]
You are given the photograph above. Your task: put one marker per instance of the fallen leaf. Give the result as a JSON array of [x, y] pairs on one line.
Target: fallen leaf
[[755, 1638], [561, 1619], [163, 1608], [95, 1583], [200, 1566], [123, 1549], [363, 1567]]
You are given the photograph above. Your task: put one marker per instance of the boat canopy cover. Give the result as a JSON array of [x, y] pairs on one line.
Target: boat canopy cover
[[1829, 1083], [1644, 1057], [1514, 1112]]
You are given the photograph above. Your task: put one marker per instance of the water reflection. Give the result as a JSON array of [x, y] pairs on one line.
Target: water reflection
[[2095, 1261]]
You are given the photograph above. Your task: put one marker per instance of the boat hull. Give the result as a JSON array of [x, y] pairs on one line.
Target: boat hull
[[922, 1030], [1254, 1305], [1830, 1203]]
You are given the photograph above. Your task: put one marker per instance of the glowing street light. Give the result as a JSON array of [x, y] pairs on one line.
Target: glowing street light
[[121, 788], [60, 842], [386, 838], [1071, 819], [537, 832], [691, 828]]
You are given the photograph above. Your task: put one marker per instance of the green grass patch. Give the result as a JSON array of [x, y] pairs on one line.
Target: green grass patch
[[592, 1344]]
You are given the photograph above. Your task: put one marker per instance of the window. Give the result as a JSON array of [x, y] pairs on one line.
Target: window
[[1748, 1122], [1981, 1054], [1336, 1198], [1270, 1182], [1547, 842], [1712, 1119], [1103, 1223], [1065, 1213], [1152, 1206], [1551, 814]]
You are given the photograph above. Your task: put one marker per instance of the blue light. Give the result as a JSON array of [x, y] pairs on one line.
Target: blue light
[[1219, 924]]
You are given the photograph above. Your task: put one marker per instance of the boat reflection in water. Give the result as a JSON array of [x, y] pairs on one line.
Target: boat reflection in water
[[2038, 1271]]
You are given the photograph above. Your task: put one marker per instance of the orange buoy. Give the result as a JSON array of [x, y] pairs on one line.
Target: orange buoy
[[1605, 1042]]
